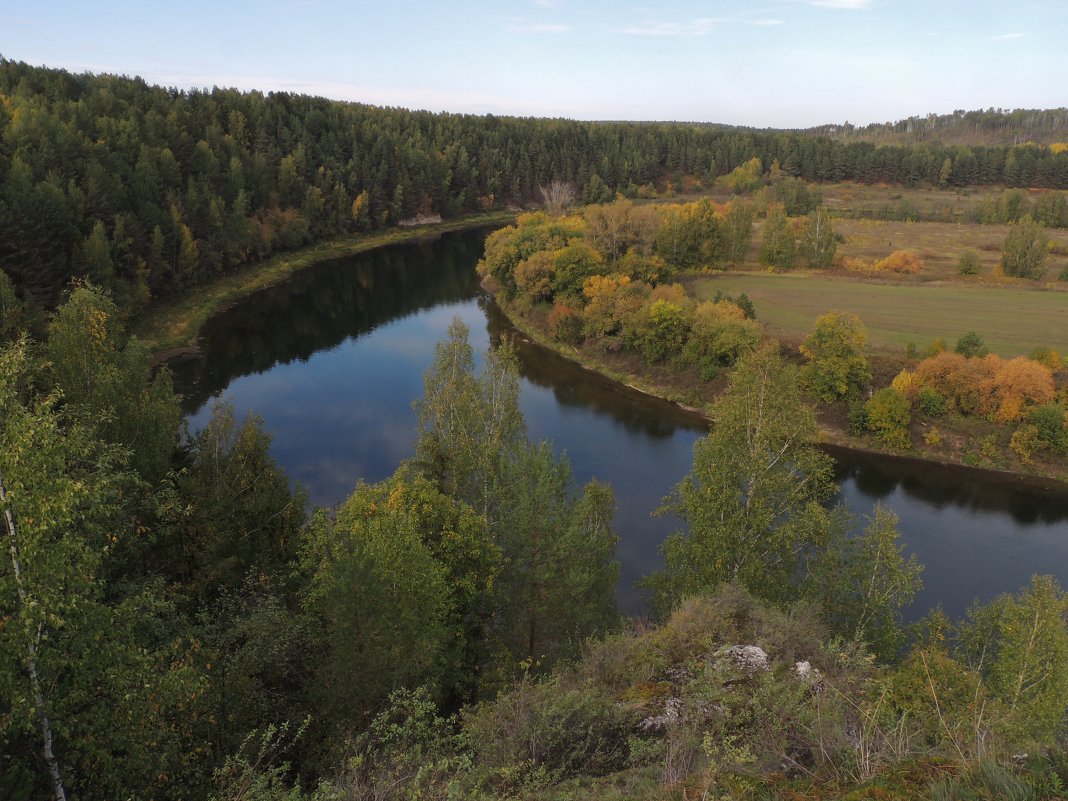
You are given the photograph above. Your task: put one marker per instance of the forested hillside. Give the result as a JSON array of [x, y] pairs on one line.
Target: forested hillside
[[991, 127], [147, 190]]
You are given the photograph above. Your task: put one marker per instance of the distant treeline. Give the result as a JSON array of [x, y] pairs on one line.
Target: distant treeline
[[990, 127], [147, 190]]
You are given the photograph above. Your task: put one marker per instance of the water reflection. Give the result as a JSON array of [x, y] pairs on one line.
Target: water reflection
[[325, 305], [1026, 500], [333, 358]]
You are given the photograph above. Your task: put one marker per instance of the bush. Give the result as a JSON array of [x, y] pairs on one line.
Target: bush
[[565, 324], [932, 403], [1051, 426], [544, 731], [1047, 356], [858, 418], [659, 330], [889, 415], [971, 344], [968, 263], [904, 262]]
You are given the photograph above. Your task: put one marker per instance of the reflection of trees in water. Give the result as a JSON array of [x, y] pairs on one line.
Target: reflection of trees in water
[[1026, 500], [322, 306], [575, 386]]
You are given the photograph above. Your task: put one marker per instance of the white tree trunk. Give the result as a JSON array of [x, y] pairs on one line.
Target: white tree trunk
[[58, 792]]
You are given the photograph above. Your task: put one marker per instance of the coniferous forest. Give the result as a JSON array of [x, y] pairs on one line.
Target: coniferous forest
[[178, 622], [147, 190]]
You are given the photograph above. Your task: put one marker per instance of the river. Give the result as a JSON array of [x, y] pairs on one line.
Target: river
[[333, 357]]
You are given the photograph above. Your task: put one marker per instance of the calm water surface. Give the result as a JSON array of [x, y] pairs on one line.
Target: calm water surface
[[332, 359]]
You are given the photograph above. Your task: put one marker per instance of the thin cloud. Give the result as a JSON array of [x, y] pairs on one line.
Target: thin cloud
[[1005, 36], [695, 27], [854, 5], [521, 25], [548, 3], [764, 22]]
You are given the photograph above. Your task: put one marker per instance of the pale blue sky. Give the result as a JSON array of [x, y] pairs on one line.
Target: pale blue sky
[[782, 63]]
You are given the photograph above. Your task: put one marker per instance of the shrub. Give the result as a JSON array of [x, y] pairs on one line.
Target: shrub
[[1047, 356], [547, 731], [719, 335], [1025, 441], [971, 344], [933, 437], [968, 263], [900, 261], [858, 418], [889, 416], [906, 383], [932, 403], [1051, 424], [659, 330], [565, 324], [1020, 384]]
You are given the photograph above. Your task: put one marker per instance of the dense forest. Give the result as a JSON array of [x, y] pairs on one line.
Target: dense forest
[[146, 190]]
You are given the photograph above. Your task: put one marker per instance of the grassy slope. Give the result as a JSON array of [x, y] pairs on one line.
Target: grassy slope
[[1011, 320], [175, 324]]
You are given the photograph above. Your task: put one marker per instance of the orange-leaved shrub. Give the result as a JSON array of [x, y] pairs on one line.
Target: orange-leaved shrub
[[900, 261]]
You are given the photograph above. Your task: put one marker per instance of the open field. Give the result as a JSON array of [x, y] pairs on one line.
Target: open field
[[1012, 320], [938, 244]]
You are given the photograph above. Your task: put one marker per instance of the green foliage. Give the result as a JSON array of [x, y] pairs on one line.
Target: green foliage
[[541, 732], [107, 378], [746, 177], [384, 603], [818, 243], [558, 576], [659, 330], [1020, 646], [737, 230], [719, 338], [752, 501], [932, 403], [778, 250], [968, 263], [1051, 426], [690, 236], [862, 582], [258, 772], [572, 265], [888, 415], [407, 748], [796, 196], [69, 650], [469, 426], [970, 345], [837, 368], [241, 520], [558, 582], [11, 310], [1023, 253]]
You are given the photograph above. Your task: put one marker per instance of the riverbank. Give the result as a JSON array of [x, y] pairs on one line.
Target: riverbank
[[688, 392], [170, 329]]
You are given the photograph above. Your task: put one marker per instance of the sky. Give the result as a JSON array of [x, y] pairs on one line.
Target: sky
[[784, 63]]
